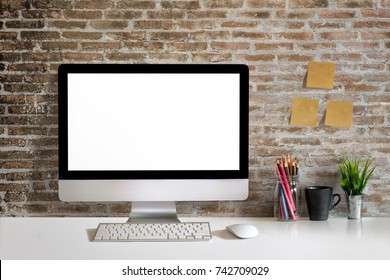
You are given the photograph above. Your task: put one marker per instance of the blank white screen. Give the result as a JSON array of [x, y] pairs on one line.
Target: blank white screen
[[153, 121]]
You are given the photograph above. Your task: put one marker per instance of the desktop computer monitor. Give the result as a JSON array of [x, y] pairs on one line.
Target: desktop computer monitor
[[153, 134]]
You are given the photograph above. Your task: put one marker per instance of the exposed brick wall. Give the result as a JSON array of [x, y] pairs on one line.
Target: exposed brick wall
[[276, 38]]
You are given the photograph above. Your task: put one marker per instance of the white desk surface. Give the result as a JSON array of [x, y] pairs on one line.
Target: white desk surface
[[70, 238]]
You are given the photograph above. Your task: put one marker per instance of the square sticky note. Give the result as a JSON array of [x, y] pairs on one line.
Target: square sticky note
[[304, 112], [320, 75], [339, 113]]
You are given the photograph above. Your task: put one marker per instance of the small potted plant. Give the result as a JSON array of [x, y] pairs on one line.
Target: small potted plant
[[355, 174]]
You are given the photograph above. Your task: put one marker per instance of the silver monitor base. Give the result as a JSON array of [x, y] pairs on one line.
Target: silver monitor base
[[153, 211]]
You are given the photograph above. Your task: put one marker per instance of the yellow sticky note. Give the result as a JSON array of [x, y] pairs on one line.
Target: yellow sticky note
[[339, 113], [320, 75], [304, 112]]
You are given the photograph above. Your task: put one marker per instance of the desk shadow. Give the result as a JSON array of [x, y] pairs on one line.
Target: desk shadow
[[224, 234], [91, 234]]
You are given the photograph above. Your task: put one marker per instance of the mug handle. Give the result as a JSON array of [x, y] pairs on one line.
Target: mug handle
[[335, 203]]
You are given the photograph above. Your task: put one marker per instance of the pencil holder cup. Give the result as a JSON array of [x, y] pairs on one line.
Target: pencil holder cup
[[287, 199]]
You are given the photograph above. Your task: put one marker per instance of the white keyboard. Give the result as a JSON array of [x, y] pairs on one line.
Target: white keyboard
[[172, 231]]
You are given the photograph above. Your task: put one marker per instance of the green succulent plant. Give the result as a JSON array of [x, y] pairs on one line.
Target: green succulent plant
[[355, 175]]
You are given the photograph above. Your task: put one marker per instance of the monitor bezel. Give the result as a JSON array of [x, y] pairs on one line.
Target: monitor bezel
[[65, 69]]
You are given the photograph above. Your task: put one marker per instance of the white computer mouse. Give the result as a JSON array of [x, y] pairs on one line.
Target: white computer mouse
[[243, 230]]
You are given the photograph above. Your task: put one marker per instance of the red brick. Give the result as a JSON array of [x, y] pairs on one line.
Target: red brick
[[239, 24], [211, 57], [44, 142], [93, 5], [337, 14], [76, 35], [44, 14], [361, 46], [373, 35], [372, 24], [169, 36], [40, 78], [83, 57], [14, 197], [11, 78], [19, 176], [212, 4], [308, 4], [14, 88], [316, 46], [294, 57], [126, 56], [385, 3], [24, 24], [251, 35], [99, 45], [355, 4], [295, 15], [52, 4], [342, 56], [385, 14], [295, 35], [41, 56], [83, 14], [39, 35], [328, 25], [154, 24], [70, 207], [13, 142], [230, 46], [36, 208], [184, 4], [142, 46], [59, 45], [109, 24], [136, 4], [274, 46], [8, 35], [213, 14], [195, 24], [361, 88], [67, 24], [267, 4], [6, 14], [42, 196], [124, 15], [12, 99], [28, 109], [256, 57], [16, 155], [14, 4], [42, 120], [17, 46], [254, 15], [169, 57], [369, 120], [14, 120], [304, 141], [211, 34], [124, 36], [28, 67], [379, 131], [41, 98]]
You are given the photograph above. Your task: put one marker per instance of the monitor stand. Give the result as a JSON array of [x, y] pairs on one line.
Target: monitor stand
[[153, 211]]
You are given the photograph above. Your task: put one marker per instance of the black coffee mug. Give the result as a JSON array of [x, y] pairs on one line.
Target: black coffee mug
[[320, 200]]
